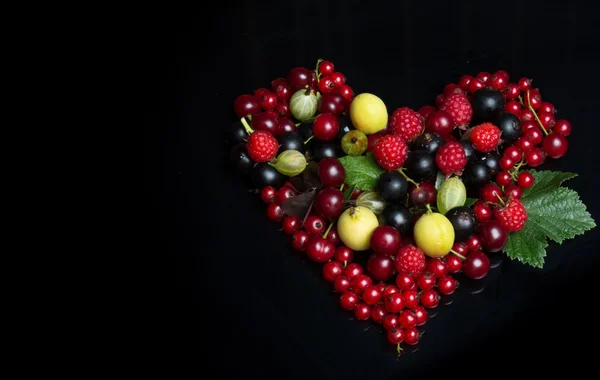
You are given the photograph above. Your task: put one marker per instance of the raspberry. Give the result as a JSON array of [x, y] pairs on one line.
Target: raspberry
[[262, 146], [459, 107], [406, 123], [451, 158], [390, 152], [410, 259], [485, 137], [512, 216]]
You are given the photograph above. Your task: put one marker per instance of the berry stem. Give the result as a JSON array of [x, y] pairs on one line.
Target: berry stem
[[246, 126], [399, 349], [307, 213], [535, 113], [308, 139], [428, 208], [317, 69], [500, 198], [401, 171], [327, 231], [458, 254]]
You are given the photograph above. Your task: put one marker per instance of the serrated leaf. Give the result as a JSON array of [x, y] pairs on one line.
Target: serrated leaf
[[469, 202], [528, 246], [362, 171], [546, 180]]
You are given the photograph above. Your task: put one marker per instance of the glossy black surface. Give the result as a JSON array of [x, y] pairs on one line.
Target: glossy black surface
[[243, 296]]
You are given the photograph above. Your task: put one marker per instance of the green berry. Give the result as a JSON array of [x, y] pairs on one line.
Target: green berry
[[354, 143], [452, 193]]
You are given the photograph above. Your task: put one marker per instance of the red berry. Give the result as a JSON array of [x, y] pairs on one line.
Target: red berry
[[286, 193], [331, 172], [343, 254], [512, 216], [526, 115], [484, 76], [498, 82], [332, 270], [411, 298], [547, 119], [410, 259], [534, 134], [451, 158], [408, 319], [426, 110], [282, 89], [514, 153], [283, 110], [524, 143], [362, 312], [535, 157], [373, 140], [245, 105], [389, 290], [447, 285], [430, 298], [555, 145], [269, 194], [439, 100], [533, 99], [506, 163], [267, 121], [331, 102], [346, 91], [406, 123], [405, 281], [475, 85], [318, 249], [299, 239], [380, 267], [524, 84], [513, 191], [503, 178], [451, 88], [329, 203], [395, 335], [315, 225], [333, 237], [474, 242], [485, 137], [385, 239], [353, 270], [513, 107], [440, 122], [286, 125], [547, 107], [426, 281], [411, 336], [464, 81], [525, 180], [326, 68], [326, 84], [291, 224], [421, 314], [391, 321], [454, 262], [338, 78], [394, 302], [459, 107], [262, 146], [482, 211], [563, 127], [341, 284], [437, 267], [348, 300], [390, 152], [372, 295], [325, 127], [477, 265], [491, 193], [275, 212], [360, 283], [378, 314], [511, 92], [493, 236], [268, 100]]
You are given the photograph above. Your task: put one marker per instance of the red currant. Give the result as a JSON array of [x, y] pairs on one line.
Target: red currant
[[535, 134], [291, 224], [430, 298], [503, 178], [547, 107], [325, 127], [425, 281], [353, 270], [245, 105], [524, 84], [513, 107], [348, 300], [514, 153], [437, 267], [282, 89], [362, 312], [477, 265], [454, 262], [380, 266], [484, 76], [283, 110], [498, 82], [547, 119], [404, 281], [563, 127], [511, 92], [535, 157], [378, 314], [318, 249], [464, 81], [360, 283], [482, 211], [525, 180], [333, 237], [555, 145], [491, 193], [269, 194], [526, 115], [408, 319], [506, 163], [275, 212], [372, 295], [460, 248], [346, 91], [341, 284], [343, 254], [286, 193], [439, 100], [426, 110], [533, 99], [503, 74], [332, 270], [326, 84], [475, 85], [411, 298], [474, 243], [267, 100], [527, 125], [315, 225], [411, 336], [394, 302], [338, 78], [421, 314], [326, 68], [389, 290], [391, 321], [513, 191], [395, 335], [524, 143], [447, 285]]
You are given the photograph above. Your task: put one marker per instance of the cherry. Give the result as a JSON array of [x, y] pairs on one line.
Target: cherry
[[326, 84], [348, 300], [268, 100], [563, 127], [372, 295], [484, 76], [447, 285], [514, 153], [555, 145], [286, 125], [454, 262], [282, 89], [411, 298], [493, 236], [503, 178], [333, 237], [524, 143], [315, 225], [341, 284], [286, 193], [291, 224], [513, 107], [329, 203], [491, 193], [266, 121], [362, 312], [299, 239], [300, 77], [275, 212], [343, 254], [426, 281], [440, 122], [385, 240], [360, 283], [391, 321], [318, 249], [535, 134], [535, 157], [338, 78], [430, 298], [269, 194], [477, 265], [421, 314], [331, 102], [331, 172], [513, 191], [419, 195], [405, 281], [411, 336], [408, 319], [473, 243], [512, 91], [325, 127], [524, 84], [498, 82], [426, 110], [389, 290], [353, 270], [380, 267], [346, 91], [464, 81], [437, 267], [431, 190], [395, 335], [506, 163], [378, 314], [245, 105], [525, 180]]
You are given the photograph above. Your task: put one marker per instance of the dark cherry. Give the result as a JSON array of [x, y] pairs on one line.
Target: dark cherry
[[329, 203], [266, 121], [331, 102], [286, 125], [477, 265], [299, 239], [344, 254], [555, 145], [440, 122], [245, 105], [385, 240], [315, 225], [380, 267], [493, 236], [331, 172], [318, 249], [299, 77]]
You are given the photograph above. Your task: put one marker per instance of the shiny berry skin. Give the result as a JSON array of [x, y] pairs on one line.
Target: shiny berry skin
[[394, 302], [527, 115], [325, 127], [464, 81], [491, 193], [329, 203], [430, 298], [459, 247], [474, 243], [440, 122], [245, 105], [450, 89], [437, 267], [426, 110], [408, 319], [411, 336], [547, 107], [506, 163], [378, 314], [503, 74], [389, 290], [430, 190], [326, 84], [454, 262], [283, 110], [498, 82], [331, 172], [266, 121], [275, 212], [513, 107], [555, 145], [392, 186], [421, 314], [405, 281], [287, 125], [331, 102], [513, 191], [291, 224], [418, 196], [563, 127], [446, 285], [362, 311], [286, 193], [524, 144], [315, 225], [425, 281], [282, 89], [493, 236], [411, 298], [529, 124], [391, 321], [326, 68], [547, 119], [514, 153], [353, 270], [346, 91], [332, 270], [299, 239], [341, 284], [385, 240], [372, 295], [380, 267], [269, 194], [535, 157], [484, 76], [503, 178], [477, 265], [429, 142], [343, 254], [338, 78], [268, 100], [348, 300], [524, 84], [535, 134], [474, 85], [512, 91], [532, 98], [360, 283], [333, 237], [525, 180], [299, 77], [395, 335], [318, 249]]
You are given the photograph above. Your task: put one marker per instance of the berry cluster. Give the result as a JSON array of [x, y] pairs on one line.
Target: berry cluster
[[391, 253]]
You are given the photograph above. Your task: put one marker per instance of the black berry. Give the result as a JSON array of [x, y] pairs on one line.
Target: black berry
[[264, 175], [345, 125], [290, 141], [469, 150], [477, 174], [399, 217], [323, 149], [491, 160], [487, 103], [305, 129], [392, 186], [429, 142], [510, 125], [237, 134], [420, 165], [464, 222], [240, 160]]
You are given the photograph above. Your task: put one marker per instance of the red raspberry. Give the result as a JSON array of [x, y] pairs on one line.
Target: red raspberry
[[451, 158], [406, 123], [390, 152], [485, 137], [459, 107], [512, 216], [410, 259], [262, 146]]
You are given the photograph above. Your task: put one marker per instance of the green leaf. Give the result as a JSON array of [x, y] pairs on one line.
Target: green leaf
[[528, 246], [469, 202], [546, 180], [362, 171], [439, 178]]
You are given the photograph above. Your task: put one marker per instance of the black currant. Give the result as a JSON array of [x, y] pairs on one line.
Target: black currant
[[469, 150], [477, 174], [237, 134], [290, 141], [398, 216], [487, 103], [464, 222], [392, 186], [429, 142], [491, 160], [305, 129], [240, 160], [264, 175], [345, 125], [322, 149], [510, 125], [420, 165]]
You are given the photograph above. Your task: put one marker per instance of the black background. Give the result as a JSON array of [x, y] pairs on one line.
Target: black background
[[242, 296]]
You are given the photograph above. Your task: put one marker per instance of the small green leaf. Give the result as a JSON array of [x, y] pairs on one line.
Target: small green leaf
[[469, 202], [528, 246], [439, 178], [362, 171], [546, 180]]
